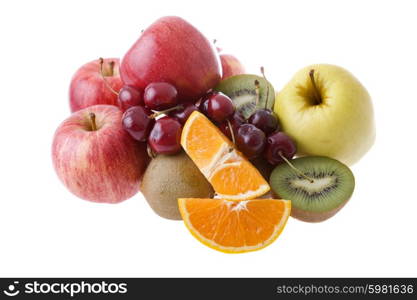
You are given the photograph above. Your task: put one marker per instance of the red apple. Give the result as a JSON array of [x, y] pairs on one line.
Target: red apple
[[172, 50], [88, 87], [96, 158], [231, 66]]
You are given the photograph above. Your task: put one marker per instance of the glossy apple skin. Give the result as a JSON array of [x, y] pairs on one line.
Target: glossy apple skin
[[105, 165], [87, 87], [172, 50], [231, 66]]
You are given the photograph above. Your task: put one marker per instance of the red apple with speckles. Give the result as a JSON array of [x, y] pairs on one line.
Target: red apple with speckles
[[88, 87], [172, 50], [231, 66], [96, 158]]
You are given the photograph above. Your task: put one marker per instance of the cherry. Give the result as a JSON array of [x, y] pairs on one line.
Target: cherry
[[235, 121], [137, 122], [250, 140], [203, 105], [160, 95], [165, 136], [129, 96], [279, 146], [219, 106], [265, 120], [182, 114]]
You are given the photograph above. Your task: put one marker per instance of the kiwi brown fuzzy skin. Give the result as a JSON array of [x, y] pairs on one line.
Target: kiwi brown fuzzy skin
[[169, 177], [311, 217], [314, 217]]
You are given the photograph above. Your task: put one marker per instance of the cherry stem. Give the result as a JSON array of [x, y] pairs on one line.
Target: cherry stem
[[231, 131], [101, 61], [295, 169], [158, 113], [93, 121], [257, 92], [317, 96], [267, 86]]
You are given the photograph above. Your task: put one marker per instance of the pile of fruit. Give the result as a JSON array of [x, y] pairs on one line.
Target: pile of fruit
[[207, 143]]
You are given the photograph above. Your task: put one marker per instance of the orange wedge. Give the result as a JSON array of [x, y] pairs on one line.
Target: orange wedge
[[235, 226], [229, 172]]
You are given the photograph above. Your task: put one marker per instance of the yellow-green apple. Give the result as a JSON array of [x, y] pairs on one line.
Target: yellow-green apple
[[95, 158], [231, 66], [88, 87], [328, 112], [172, 50]]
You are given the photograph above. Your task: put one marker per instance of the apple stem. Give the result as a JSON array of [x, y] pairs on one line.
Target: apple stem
[[257, 92], [150, 152], [317, 96], [295, 169], [231, 131], [158, 113], [267, 87], [101, 61], [93, 121], [111, 68]]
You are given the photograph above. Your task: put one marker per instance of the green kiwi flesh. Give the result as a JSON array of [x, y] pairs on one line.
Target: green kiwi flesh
[[313, 201], [242, 90]]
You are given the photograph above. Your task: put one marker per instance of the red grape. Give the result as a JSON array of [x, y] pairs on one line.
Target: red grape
[[265, 120], [137, 123], [279, 143], [160, 96], [128, 97], [250, 140], [165, 136]]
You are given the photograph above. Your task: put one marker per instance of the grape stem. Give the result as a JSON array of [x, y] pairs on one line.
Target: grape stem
[[93, 121], [317, 97], [101, 62], [231, 131], [295, 169], [267, 87], [158, 113]]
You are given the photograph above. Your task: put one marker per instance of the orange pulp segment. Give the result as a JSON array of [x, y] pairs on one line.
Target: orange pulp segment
[[229, 172], [235, 226]]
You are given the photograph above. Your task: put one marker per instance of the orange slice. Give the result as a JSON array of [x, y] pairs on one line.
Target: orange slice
[[235, 226], [229, 172]]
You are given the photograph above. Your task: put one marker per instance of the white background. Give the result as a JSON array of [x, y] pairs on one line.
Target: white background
[[46, 231]]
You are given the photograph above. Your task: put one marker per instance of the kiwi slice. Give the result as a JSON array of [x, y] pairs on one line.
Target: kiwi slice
[[243, 89], [324, 189]]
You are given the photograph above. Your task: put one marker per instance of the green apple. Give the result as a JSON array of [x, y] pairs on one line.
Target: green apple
[[328, 112]]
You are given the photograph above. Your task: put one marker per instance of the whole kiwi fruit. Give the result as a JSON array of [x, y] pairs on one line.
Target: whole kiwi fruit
[[169, 177]]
